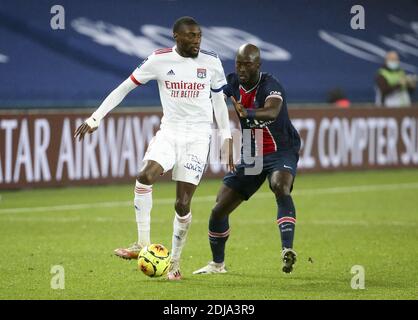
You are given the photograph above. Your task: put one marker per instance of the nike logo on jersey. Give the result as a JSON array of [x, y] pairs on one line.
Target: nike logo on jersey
[[170, 73], [287, 167]]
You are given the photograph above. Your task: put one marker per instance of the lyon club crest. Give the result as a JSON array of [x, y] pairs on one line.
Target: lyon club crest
[[201, 73]]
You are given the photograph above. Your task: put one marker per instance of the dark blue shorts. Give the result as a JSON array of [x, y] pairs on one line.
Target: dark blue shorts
[[246, 185]]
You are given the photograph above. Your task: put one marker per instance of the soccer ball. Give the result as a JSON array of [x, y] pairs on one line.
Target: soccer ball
[[154, 260]]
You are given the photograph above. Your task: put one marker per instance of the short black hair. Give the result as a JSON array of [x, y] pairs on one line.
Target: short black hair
[[189, 21]]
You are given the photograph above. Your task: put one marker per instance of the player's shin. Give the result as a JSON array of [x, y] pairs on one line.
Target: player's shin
[[218, 235], [181, 227], [143, 206], [286, 220]]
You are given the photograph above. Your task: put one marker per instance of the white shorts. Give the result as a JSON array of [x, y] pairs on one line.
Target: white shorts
[[186, 152]]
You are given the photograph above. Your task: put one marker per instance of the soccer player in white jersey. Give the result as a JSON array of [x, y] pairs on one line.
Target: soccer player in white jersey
[[190, 81]]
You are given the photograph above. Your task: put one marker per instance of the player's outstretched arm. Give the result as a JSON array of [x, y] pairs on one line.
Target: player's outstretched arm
[[270, 111], [111, 101], [222, 119]]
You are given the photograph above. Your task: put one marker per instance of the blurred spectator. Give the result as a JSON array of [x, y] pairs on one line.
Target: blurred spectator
[[393, 86], [338, 98]]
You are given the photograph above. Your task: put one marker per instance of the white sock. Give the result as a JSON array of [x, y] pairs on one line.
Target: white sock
[[181, 226], [143, 205]]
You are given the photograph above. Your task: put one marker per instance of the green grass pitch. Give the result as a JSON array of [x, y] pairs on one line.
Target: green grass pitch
[[365, 218]]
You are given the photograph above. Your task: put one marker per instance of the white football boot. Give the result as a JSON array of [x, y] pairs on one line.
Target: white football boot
[[212, 267], [129, 253], [174, 271]]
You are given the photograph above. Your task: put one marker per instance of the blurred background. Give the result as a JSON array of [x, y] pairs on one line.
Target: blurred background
[[309, 46], [58, 61]]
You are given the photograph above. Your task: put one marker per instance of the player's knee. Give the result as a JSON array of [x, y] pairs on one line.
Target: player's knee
[[145, 177], [280, 189], [217, 214], [182, 206]]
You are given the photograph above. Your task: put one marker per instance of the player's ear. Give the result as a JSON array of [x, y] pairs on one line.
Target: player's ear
[[174, 35]]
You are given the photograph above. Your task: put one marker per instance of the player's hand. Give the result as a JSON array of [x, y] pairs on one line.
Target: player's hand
[[90, 125], [231, 164], [242, 112], [227, 154]]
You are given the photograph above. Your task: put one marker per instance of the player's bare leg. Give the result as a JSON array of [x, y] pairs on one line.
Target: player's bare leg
[[227, 201], [143, 205], [281, 184], [181, 225]]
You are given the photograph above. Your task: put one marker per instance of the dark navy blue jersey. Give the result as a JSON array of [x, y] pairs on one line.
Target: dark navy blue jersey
[[278, 134]]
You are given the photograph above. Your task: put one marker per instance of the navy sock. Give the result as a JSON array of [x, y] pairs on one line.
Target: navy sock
[[286, 220], [218, 235]]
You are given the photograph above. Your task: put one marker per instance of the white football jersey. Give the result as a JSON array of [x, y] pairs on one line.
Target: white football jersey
[[184, 84]]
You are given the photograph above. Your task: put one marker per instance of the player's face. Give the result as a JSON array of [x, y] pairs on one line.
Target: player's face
[[188, 40], [247, 69]]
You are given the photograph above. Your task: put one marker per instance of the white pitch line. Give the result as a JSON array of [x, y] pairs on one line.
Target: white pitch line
[[261, 195], [347, 223]]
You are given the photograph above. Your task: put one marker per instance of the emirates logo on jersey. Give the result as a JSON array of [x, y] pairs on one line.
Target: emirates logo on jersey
[[184, 89], [181, 85], [201, 73]]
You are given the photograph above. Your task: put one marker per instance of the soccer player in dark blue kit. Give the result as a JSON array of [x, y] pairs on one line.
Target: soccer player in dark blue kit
[[261, 105]]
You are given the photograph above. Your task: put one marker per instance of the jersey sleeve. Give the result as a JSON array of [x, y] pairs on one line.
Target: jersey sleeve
[[273, 89], [145, 72], [218, 80], [228, 88]]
